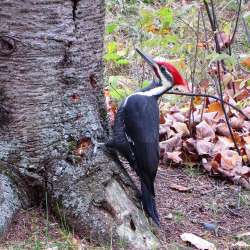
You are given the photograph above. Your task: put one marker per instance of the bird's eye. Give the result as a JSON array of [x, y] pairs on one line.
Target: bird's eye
[[162, 69]]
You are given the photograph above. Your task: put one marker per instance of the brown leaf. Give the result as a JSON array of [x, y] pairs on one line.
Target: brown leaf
[[171, 144], [242, 94], [174, 156], [197, 100], [215, 107], [242, 171], [247, 139], [207, 164], [210, 117], [181, 128], [204, 83], [236, 122], [215, 163], [162, 119], [180, 188], [227, 78], [179, 117], [246, 62], [223, 40], [222, 129], [203, 130], [247, 149], [246, 126], [223, 143], [230, 159], [204, 147]]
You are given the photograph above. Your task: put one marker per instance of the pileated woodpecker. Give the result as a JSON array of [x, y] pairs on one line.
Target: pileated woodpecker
[[136, 129]]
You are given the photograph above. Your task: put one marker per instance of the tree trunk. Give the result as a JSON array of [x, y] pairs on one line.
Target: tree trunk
[[52, 116]]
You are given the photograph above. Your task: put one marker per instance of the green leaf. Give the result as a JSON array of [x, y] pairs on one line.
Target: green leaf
[[113, 81], [111, 57], [145, 83], [214, 57], [110, 28], [122, 61], [147, 17], [166, 16], [111, 47]]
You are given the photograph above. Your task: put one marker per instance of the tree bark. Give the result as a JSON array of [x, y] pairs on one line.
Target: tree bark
[[52, 116]]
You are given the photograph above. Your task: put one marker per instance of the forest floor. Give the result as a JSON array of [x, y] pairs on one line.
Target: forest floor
[[188, 201]]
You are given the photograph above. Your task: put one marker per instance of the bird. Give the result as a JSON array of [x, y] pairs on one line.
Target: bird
[[136, 129]]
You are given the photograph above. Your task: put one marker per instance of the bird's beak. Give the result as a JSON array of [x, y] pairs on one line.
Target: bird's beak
[[148, 59]]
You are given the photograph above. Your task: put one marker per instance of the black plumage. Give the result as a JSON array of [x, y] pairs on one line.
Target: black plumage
[[136, 137]]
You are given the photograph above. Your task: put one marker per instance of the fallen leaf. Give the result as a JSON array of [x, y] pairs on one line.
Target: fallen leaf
[[204, 83], [242, 171], [243, 235], [236, 122], [203, 130], [223, 39], [223, 143], [204, 147], [181, 128], [247, 149], [242, 94], [246, 126], [197, 100], [230, 159], [222, 129], [210, 117], [246, 62], [216, 162], [247, 139], [215, 107], [180, 188], [179, 117], [174, 156], [227, 78], [197, 241], [171, 144]]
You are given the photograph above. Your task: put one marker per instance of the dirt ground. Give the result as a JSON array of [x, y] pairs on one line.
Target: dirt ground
[[209, 201], [188, 200]]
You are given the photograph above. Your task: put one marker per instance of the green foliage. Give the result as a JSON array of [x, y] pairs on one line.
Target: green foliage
[[117, 91], [110, 28], [166, 16], [229, 60], [113, 56]]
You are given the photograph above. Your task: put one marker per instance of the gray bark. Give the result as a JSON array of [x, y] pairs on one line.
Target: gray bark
[[52, 115]]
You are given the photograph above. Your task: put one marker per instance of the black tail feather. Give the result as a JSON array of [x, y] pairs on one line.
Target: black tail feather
[[148, 202]]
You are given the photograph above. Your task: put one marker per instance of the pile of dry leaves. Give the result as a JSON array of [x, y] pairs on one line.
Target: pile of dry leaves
[[203, 137]]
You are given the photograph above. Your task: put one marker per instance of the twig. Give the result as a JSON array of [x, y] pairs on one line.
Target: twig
[[246, 29], [205, 30], [213, 23], [213, 97], [224, 110], [193, 74], [236, 23]]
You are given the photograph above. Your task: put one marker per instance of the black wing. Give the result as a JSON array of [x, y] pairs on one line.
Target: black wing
[[142, 126], [120, 141]]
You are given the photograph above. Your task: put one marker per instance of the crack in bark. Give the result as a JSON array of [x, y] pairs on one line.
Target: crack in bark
[[74, 8]]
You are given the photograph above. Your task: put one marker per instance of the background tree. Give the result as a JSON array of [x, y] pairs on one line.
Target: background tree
[[52, 116]]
